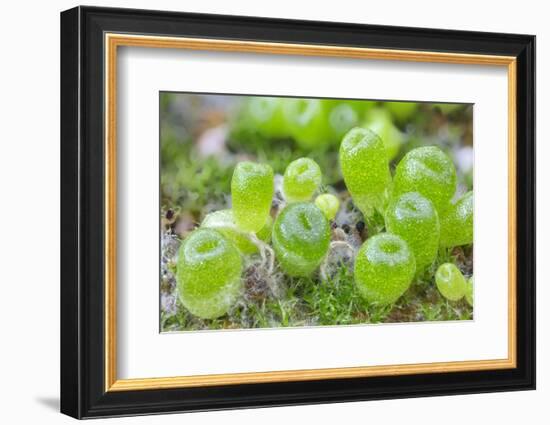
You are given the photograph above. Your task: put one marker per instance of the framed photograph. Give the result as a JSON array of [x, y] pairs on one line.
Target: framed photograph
[[261, 212]]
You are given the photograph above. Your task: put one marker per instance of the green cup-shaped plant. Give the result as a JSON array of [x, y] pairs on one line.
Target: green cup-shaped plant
[[365, 168], [301, 179], [414, 218], [308, 122], [328, 204], [457, 222], [252, 194], [450, 282], [208, 273], [430, 172], [384, 268], [224, 222], [266, 116], [301, 237]]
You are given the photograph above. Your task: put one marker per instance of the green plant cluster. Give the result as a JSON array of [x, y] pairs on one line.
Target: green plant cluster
[[319, 124], [412, 216]]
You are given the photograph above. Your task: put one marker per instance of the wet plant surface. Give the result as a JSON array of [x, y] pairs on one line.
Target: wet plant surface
[[203, 138]]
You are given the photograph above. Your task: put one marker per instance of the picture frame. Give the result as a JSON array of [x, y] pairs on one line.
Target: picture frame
[[90, 41]]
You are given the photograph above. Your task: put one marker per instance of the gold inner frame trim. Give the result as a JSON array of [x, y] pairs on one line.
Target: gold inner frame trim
[[113, 41]]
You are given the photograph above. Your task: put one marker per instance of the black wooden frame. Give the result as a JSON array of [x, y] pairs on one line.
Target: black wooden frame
[[82, 212]]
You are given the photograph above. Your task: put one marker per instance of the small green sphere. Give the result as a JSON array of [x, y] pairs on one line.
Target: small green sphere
[[302, 178], [252, 194], [457, 222], [430, 172], [414, 218], [328, 204], [365, 168], [301, 237], [379, 120], [224, 222], [208, 273], [384, 268], [470, 291], [450, 282]]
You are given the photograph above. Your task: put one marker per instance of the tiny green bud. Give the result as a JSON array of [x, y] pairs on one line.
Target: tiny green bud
[[365, 168], [328, 204], [384, 268], [301, 237], [252, 194], [414, 218], [208, 273], [430, 172], [301, 179], [457, 222], [450, 282]]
